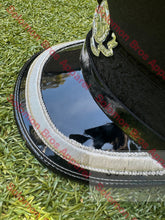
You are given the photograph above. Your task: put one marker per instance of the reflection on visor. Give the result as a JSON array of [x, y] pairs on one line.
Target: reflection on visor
[[76, 115]]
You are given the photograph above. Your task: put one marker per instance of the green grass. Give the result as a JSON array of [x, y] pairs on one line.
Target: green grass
[[52, 195]]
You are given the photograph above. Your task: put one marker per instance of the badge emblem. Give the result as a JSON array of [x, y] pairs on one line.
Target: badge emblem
[[100, 31]]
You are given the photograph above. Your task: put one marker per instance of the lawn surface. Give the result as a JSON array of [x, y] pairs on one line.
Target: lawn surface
[[52, 195]]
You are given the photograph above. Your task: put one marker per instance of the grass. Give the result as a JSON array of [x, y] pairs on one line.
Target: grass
[[52, 195]]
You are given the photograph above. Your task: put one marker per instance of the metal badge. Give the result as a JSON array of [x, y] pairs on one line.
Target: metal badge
[[100, 31]]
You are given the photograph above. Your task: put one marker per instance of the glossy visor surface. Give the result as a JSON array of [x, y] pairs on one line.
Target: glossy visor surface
[[72, 109]]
